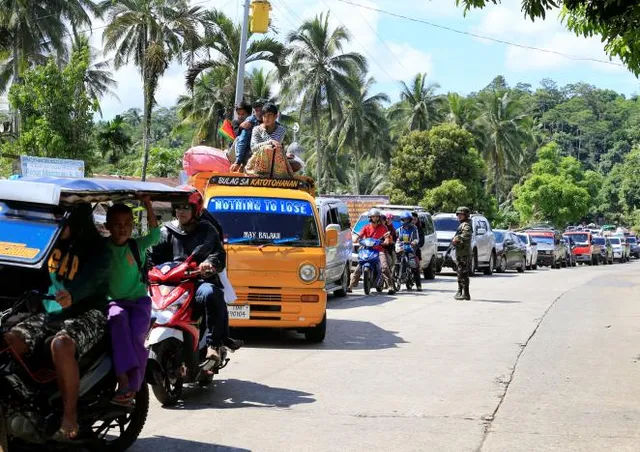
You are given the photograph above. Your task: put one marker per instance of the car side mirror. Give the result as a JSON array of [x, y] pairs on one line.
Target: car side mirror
[[534, 243], [508, 242], [331, 235]]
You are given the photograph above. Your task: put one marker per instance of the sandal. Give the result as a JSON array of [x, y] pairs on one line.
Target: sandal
[[123, 398], [66, 435]]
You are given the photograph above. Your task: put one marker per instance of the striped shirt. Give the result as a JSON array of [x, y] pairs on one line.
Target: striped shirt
[[260, 137]]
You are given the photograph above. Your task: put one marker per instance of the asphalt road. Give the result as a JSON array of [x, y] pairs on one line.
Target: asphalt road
[[543, 361]]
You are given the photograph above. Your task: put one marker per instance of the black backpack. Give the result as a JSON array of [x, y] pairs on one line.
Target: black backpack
[[143, 267]]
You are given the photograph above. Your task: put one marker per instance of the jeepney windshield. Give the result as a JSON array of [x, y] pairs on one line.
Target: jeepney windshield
[[26, 232], [260, 221]]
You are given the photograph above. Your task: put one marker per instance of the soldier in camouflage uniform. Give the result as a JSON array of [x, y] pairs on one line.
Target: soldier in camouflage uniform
[[462, 243]]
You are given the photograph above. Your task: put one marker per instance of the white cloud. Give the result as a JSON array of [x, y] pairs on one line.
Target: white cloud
[[408, 61]]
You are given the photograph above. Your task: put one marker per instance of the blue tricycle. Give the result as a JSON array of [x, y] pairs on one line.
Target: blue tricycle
[[369, 263]]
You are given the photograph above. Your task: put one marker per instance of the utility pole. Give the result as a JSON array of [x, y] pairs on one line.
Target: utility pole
[[242, 57]]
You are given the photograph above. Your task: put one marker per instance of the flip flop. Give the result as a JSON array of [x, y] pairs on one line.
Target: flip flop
[[64, 435], [123, 397]]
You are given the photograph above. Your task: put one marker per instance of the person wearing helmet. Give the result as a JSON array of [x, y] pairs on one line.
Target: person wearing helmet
[[376, 229], [243, 141], [390, 247], [420, 226], [462, 243], [192, 236], [408, 233]]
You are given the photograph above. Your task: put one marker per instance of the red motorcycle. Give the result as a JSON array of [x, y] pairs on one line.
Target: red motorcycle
[[177, 352]]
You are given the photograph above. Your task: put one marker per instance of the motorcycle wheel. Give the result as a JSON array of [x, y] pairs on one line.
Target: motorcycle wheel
[[4, 439], [396, 278], [129, 426], [366, 277], [168, 393]]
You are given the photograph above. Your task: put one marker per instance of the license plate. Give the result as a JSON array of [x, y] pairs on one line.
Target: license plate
[[239, 311]]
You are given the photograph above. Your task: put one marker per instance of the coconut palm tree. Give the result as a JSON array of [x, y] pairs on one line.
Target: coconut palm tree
[[221, 47], [462, 111], [419, 107], [151, 34], [505, 130], [260, 84], [320, 74], [359, 129], [203, 108]]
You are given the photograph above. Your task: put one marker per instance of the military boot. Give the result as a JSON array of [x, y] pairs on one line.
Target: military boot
[[465, 291], [458, 295]]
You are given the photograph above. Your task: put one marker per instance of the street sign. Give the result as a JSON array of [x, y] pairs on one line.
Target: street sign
[[50, 167]]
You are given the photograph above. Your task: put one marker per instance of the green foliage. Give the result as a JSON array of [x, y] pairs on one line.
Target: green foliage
[[629, 191], [556, 191], [423, 160], [165, 162], [56, 111]]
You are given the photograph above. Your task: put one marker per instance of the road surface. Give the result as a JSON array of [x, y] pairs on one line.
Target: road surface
[[543, 361]]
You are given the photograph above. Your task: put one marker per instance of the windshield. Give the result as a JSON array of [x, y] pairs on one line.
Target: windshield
[[580, 238], [258, 221], [26, 232], [632, 240], [499, 235], [599, 241], [615, 241], [446, 223], [543, 239], [523, 238]]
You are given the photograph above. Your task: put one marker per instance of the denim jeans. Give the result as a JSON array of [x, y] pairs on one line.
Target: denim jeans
[[215, 313]]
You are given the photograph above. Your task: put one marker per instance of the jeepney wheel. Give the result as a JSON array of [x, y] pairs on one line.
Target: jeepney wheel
[[316, 334]]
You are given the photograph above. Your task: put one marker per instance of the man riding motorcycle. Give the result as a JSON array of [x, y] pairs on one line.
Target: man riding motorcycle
[[376, 229], [408, 233], [192, 236]]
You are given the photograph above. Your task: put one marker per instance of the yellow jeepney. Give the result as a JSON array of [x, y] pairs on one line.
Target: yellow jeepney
[[275, 250]]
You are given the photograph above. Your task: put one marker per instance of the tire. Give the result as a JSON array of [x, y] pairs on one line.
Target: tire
[[316, 334], [474, 263], [133, 429], [503, 265], [346, 277], [396, 278], [523, 264], [4, 438], [366, 278], [534, 266], [489, 270], [167, 393], [431, 270], [564, 263]]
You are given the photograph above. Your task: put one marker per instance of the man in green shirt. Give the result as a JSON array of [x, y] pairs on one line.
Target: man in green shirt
[[130, 305]]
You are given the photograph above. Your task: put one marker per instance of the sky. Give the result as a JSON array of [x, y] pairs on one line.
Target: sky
[[398, 48]]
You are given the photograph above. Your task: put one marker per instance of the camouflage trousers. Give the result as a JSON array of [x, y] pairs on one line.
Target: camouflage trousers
[[463, 267], [86, 330]]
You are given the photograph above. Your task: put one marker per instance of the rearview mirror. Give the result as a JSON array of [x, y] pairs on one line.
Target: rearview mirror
[[331, 235]]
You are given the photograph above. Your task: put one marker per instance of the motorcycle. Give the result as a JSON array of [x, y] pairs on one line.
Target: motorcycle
[[407, 269], [177, 351], [31, 405], [369, 262]]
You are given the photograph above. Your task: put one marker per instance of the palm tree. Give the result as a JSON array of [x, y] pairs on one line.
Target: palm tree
[[462, 111], [260, 84], [359, 128], [419, 107], [98, 81], [369, 179], [320, 72], [151, 34], [221, 45], [204, 107], [132, 117], [34, 30], [505, 131]]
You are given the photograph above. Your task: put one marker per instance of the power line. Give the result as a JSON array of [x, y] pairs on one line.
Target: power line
[[476, 35]]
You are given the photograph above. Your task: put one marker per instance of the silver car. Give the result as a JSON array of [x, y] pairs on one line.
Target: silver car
[[532, 250]]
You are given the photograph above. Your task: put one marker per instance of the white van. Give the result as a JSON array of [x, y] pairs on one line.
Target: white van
[[335, 213]]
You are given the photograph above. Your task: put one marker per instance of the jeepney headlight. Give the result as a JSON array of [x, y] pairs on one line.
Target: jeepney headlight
[[308, 272]]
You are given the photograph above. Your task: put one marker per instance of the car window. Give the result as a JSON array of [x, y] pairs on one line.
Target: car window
[[343, 216], [499, 235], [333, 213], [429, 228], [523, 238], [446, 224]]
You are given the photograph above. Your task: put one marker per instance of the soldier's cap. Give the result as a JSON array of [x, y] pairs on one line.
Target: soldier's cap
[[464, 210]]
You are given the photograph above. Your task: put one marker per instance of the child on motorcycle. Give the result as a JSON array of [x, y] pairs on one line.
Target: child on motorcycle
[[130, 306], [408, 234]]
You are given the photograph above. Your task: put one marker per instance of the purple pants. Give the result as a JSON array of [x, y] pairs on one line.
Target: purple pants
[[128, 323]]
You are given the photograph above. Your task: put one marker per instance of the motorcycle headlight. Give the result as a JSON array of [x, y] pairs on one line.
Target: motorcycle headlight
[[308, 273]]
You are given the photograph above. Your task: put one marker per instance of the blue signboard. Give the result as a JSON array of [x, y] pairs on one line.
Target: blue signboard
[[49, 167], [276, 206]]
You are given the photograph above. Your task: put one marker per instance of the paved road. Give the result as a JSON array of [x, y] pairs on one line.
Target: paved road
[[543, 361]]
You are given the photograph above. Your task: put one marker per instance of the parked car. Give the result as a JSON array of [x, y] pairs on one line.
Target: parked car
[[428, 264], [606, 250], [482, 242], [551, 250], [511, 253], [619, 252], [338, 270], [585, 251], [570, 245], [532, 250], [635, 246]]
